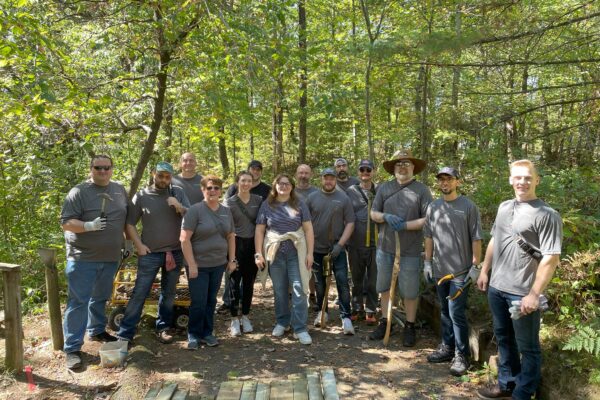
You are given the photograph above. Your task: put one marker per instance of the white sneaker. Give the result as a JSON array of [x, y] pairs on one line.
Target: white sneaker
[[234, 329], [318, 319], [303, 337], [246, 324], [347, 326], [279, 330]]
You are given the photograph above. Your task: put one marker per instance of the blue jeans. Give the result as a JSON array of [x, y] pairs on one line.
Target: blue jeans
[[285, 272], [148, 267], [90, 286], [340, 270], [203, 293], [455, 328], [516, 338]]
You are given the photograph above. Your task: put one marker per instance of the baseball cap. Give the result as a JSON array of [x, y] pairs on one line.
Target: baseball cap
[[448, 171], [340, 161], [366, 163], [255, 164], [328, 171], [164, 166]]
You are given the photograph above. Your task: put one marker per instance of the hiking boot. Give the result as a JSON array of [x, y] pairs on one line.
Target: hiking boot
[[443, 354], [370, 318], [303, 338], [234, 329], [210, 341], [460, 365], [410, 335], [318, 319], [103, 337], [246, 324], [165, 337], [192, 344], [379, 332], [279, 330], [73, 360], [494, 392], [347, 326]]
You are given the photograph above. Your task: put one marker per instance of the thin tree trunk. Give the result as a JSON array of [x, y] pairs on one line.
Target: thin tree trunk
[[223, 152], [303, 82]]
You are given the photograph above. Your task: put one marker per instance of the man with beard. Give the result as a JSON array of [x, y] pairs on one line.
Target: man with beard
[[303, 186], [189, 179], [344, 181], [453, 241], [333, 223], [400, 206], [161, 208], [260, 188]]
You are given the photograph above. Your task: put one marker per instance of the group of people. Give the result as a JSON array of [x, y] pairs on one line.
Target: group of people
[[299, 234]]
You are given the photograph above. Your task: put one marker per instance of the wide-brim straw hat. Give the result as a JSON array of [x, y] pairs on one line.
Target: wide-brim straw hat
[[404, 154]]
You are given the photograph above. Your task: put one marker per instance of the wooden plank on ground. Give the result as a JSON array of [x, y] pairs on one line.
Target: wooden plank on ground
[[248, 390], [153, 391], [300, 386], [329, 385], [314, 384], [230, 390], [282, 390], [262, 391], [167, 391], [180, 394]]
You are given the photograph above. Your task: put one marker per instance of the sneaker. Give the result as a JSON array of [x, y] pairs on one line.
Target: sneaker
[[443, 354], [410, 335], [165, 337], [318, 319], [279, 330], [73, 360], [494, 392], [246, 324], [210, 341], [370, 318], [234, 329], [303, 337], [103, 337], [347, 326], [192, 344], [460, 365], [379, 332]]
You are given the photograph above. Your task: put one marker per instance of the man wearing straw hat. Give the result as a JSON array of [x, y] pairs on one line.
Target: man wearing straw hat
[[400, 205]]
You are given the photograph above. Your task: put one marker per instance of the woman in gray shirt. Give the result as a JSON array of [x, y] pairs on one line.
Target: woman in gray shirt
[[208, 245]]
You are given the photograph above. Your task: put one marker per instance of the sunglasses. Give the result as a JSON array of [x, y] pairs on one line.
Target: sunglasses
[[209, 188], [365, 169], [403, 164], [102, 167]]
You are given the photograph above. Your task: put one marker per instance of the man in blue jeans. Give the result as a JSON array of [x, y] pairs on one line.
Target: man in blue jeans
[[161, 207], [523, 254], [453, 242], [93, 219]]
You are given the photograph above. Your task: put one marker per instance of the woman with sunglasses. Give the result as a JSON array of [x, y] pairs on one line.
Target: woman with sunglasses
[[208, 244], [244, 208], [284, 239]]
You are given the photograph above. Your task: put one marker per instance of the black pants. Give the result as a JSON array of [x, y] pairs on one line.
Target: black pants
[[241, 280]]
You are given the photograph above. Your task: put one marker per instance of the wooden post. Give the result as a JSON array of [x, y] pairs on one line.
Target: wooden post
[[11, 275], [48, 257]]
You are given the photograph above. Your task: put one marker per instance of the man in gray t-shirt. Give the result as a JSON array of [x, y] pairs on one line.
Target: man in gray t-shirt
[[453, 241], [93, 220], [303, 186], [160, 208], [189, 179], [344, 181], [400, 206], [522, 255], [333, 223]]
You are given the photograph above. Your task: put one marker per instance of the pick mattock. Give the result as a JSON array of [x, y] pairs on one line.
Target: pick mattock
[[105, 196], [393, 284], [327, 274]]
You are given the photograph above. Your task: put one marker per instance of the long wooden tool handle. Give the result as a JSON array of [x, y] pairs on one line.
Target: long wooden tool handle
[[393, 284]]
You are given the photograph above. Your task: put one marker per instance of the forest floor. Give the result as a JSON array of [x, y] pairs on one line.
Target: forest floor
[[363, 369]]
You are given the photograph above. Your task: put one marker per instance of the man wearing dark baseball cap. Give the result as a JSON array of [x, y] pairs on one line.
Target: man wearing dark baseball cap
[[344, 181]]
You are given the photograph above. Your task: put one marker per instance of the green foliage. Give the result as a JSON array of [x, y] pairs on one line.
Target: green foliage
[[586, 338]]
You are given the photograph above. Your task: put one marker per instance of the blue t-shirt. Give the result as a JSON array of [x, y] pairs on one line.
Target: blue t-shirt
[[282, 218]]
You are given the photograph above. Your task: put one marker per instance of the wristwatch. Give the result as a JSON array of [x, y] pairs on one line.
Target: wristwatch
[[233, 261], [257, 256]]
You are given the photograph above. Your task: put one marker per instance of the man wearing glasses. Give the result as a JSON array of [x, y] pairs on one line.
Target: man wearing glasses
[[400, 206], [161, 208], [361, 247], [93, 220]]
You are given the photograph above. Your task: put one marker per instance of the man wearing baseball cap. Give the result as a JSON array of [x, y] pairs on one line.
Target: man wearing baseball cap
[[400, 206], [453, 242], [344, 181]]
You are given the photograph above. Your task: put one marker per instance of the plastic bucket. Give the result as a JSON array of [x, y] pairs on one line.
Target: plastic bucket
[[113, 354]]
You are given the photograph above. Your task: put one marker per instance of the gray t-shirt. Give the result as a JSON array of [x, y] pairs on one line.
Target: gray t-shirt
[[84, 203], [453, 226], [359, 205], [245, 222], [161, 224], [409, 203], [513, 270], [210, 229], [352, 180], [302, 194], [191, 187], [329, 209]]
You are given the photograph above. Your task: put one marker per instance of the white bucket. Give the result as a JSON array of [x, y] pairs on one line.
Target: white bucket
[[113, 354]]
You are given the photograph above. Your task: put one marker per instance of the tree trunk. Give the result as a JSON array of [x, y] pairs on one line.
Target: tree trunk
[[303, 82], [223, 153]]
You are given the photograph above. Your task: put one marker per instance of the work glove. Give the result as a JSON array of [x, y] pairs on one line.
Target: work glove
[[427, 271], [397, 223], [515, 309], [335, 251], [473, 274], [96, 225]]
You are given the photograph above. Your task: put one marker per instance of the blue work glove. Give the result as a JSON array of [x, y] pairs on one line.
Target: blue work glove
[[397, 223], [335, 251], [428, 271]]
